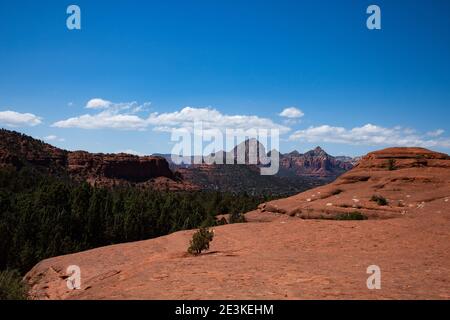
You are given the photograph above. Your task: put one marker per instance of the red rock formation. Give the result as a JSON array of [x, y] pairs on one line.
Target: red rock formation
[[313, 163], [404, 176], [117, 166], [290, 258], [400, 158], [18, 150]]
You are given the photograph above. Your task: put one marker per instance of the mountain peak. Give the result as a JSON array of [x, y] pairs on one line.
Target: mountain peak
[[317, 152], [250, 142], [319, 149], [294, 153]]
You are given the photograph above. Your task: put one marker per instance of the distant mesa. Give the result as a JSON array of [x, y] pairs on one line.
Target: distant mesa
[[314, 163], [297, 172], [118, 166]]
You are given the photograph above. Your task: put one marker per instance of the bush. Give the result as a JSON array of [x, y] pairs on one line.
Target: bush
[[200, 241], [351, 216], [12, 286], [381, 201], [222, 222], [391, 165], [237, 217]]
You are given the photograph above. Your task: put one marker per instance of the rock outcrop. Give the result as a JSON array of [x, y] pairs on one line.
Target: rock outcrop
[[276, 255], [315, 163], [117, 166], [18, 150], [405, 177]]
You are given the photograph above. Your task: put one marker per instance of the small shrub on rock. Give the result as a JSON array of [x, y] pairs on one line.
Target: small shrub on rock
[[351, 216], [381, 201], [237, 217], [392, 165], [222, 221], [200, 241]]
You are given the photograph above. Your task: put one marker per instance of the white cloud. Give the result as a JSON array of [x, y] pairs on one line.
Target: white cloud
[[103, 120], [128, 107], [120, 116], [16, 119], [210, 119], [125, 116], [436, 133], [98, 103], [369, 134], [292, 113], [53, 138], [290, 122]]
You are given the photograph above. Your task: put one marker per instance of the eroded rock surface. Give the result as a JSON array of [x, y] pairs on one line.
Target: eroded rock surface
[[278, 255]]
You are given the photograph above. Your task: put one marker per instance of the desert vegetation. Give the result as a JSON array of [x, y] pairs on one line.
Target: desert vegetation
[[351, 216], [42, 216], [391, 165], [200, 241], [237, 217], [380, 200], [11, 286]]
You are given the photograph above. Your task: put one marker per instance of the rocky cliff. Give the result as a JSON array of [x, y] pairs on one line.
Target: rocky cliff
[[117, 166], [18, 150]]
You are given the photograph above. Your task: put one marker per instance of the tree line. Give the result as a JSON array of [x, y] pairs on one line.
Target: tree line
[[43, 216]]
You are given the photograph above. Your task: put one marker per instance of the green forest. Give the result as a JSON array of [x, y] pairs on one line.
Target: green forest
[[43, 216]]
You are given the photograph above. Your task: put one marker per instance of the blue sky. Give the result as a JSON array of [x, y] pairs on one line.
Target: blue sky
[[231, 62]]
